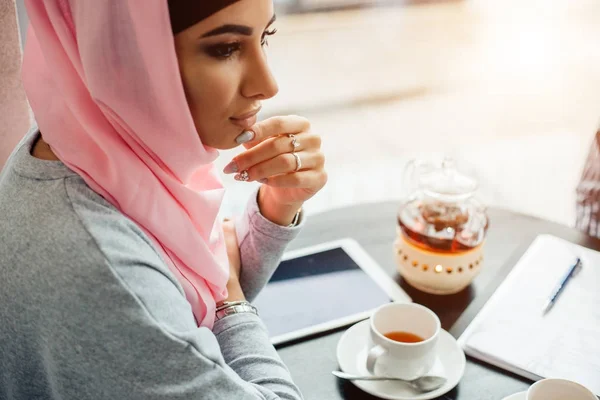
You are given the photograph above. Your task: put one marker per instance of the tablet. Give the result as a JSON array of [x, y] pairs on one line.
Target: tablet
[[323, 287]]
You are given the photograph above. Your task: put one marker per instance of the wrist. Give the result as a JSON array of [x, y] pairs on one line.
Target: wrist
[[234, 292], [278, 213], [234, 307]]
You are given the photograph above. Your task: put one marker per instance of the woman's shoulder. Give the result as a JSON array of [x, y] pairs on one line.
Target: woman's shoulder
[[59, 233], [102, 220], [63, 223], [118, 238]]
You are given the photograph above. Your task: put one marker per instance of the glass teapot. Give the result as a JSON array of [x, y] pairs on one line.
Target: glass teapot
[[441, 228], [440, 212]]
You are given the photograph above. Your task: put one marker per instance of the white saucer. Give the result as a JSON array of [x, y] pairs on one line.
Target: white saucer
[[352, 357], [517, 396]]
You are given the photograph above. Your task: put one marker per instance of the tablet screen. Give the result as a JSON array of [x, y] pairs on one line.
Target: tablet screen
[[315, 289]]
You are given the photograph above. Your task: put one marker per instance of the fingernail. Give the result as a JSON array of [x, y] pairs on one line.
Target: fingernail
[[231, 168], [245, 137]]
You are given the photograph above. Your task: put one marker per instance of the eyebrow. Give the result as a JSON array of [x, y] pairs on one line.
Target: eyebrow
[[239, 29]]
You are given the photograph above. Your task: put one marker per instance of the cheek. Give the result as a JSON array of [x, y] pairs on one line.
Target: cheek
[[211, 92]]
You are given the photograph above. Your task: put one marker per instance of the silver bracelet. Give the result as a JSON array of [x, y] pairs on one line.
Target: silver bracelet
[[234, 307], [296, 219]]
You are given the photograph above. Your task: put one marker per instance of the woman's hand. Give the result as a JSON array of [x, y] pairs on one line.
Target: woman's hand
[[291, 173], [235, 264]]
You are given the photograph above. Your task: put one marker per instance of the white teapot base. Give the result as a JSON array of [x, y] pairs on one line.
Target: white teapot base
[[436, 272]]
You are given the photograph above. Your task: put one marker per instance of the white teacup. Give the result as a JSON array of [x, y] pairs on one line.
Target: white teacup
[[558, 389], [400, 359]]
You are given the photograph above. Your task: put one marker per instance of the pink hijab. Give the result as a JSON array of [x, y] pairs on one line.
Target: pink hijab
[[103, 81]]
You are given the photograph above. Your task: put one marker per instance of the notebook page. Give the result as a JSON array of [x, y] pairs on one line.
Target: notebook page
[[512, 332]]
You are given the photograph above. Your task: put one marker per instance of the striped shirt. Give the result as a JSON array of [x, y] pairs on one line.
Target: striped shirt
[[588, 192]]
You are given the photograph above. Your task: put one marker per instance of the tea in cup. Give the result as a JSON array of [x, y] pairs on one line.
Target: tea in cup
[[402, 340], [558, 389]]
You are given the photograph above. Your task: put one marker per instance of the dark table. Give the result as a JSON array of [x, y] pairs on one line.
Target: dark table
[[373, 226]]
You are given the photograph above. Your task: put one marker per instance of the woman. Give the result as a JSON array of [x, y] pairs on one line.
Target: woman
[[118, 281]]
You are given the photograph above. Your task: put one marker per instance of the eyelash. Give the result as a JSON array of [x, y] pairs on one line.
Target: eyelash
[[265, 37], [226, 50]]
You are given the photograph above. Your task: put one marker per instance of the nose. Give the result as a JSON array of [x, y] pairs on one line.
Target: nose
[[259, 83]]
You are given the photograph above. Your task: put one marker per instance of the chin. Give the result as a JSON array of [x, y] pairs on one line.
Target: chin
[[225, 138]]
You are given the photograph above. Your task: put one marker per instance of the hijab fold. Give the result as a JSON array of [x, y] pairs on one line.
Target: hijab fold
[[103, 81]]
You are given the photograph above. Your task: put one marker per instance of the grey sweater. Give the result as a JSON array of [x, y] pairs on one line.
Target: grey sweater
[[88, 309]]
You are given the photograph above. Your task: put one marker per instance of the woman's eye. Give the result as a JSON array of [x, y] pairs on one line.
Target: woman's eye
[[223, 50], [265, 37]]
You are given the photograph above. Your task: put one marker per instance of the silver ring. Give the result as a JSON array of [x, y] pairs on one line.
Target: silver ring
[[298, 162], [295, 143], [244, 176]]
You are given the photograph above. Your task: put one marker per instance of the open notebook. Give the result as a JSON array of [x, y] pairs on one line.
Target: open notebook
[[512, 333]]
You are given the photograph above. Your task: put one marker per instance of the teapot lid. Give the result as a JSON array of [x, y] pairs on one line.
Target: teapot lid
[[447, 183]]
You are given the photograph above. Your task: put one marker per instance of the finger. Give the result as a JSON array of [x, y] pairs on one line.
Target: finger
[[312, 180], [271, 148], [282, 164], [277, 126]]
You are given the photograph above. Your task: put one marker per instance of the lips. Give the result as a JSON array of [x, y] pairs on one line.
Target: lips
[[245, 120]]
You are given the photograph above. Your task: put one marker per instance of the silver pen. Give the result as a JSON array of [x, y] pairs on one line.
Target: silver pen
[[563, 282]]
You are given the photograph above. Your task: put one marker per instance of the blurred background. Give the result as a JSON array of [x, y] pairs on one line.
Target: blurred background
[[510, 88]]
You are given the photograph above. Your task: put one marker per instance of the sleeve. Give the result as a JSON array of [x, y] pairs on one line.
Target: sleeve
[[126, 330], [262, 243], [588, 192], [117, 347]]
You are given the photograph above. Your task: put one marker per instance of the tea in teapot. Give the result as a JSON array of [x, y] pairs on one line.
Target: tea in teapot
[[441, 228]]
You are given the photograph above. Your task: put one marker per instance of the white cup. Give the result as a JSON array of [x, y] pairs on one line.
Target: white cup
[[558, 389], [400, 359]]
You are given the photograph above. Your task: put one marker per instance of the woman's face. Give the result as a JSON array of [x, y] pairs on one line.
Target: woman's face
[[224, 70]]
